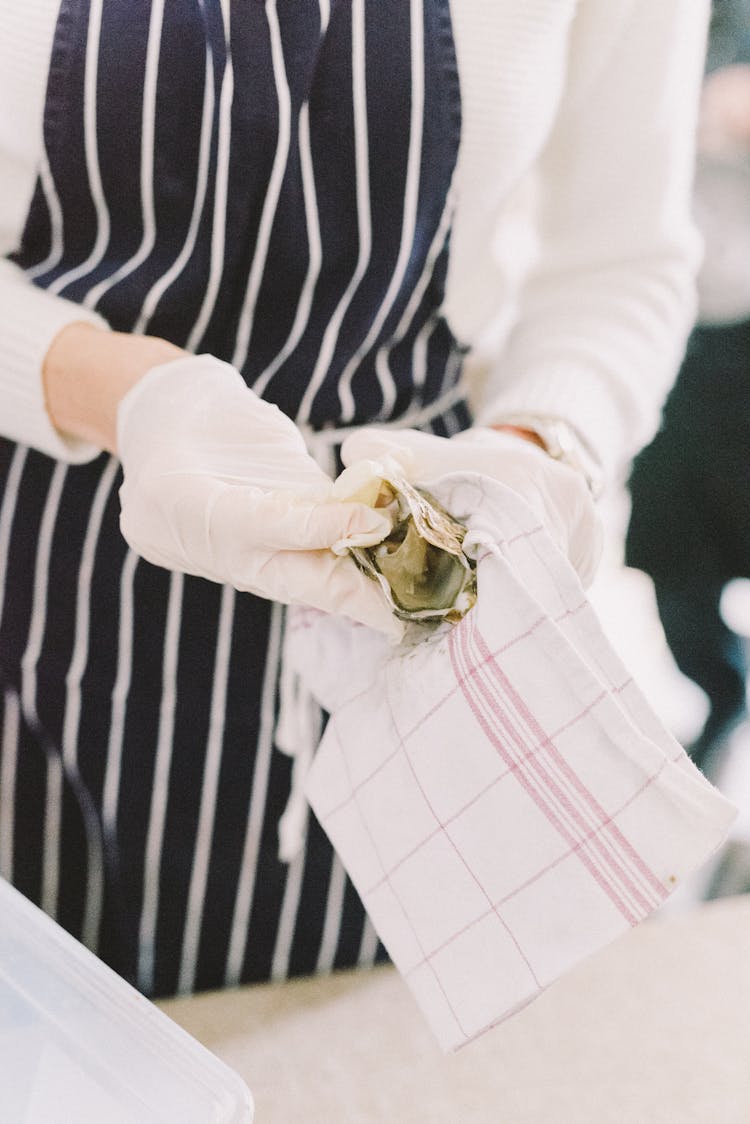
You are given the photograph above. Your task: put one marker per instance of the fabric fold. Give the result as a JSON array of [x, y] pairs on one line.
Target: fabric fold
[[502, 795]]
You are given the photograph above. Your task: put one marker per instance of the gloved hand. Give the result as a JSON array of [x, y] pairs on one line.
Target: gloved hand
[[218, 483], [557, 493]]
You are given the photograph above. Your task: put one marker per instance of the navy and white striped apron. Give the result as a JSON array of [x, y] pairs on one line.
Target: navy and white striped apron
[[269, 182]]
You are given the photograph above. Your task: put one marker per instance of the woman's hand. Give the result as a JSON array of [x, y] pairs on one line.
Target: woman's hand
[[558, 494], [219, 483]]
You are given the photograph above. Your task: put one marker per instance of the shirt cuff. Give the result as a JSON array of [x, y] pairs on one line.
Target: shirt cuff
[[577, 397], [32, 320]]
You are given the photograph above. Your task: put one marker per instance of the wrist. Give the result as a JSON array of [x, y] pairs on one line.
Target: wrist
[[521, 431], [87, 372], [561, 442]]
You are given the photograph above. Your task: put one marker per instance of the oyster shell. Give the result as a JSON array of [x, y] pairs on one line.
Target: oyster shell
[[421, 565]]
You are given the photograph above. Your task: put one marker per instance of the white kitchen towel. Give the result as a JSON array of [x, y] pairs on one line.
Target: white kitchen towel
[[500, 792]]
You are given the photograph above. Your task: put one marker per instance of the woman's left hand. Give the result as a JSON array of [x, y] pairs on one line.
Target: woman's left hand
[[557, 493]]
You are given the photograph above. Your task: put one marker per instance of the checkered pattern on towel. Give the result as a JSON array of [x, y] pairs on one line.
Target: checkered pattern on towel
[[501, 794]]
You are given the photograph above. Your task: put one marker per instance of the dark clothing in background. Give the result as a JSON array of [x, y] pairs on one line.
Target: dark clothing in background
[[694, 473], [690, 520], [729, 35]]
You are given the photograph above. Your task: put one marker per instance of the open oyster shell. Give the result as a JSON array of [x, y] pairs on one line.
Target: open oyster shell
[[421, 565]]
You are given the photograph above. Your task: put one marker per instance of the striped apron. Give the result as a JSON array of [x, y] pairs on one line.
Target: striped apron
[[269, 182]]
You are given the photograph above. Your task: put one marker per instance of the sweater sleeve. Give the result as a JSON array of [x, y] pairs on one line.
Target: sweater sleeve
[[29, 317], [606, 310]]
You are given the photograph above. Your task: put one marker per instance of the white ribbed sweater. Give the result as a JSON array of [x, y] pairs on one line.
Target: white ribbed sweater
[[595, 100]]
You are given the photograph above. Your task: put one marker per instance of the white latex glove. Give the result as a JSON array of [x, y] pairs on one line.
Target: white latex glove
[[219, 483], [557, 493]]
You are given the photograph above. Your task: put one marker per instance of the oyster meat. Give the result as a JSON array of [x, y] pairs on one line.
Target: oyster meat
[[421, 565]]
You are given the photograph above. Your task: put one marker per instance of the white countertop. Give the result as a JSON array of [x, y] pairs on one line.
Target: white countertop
[[654, 1030]]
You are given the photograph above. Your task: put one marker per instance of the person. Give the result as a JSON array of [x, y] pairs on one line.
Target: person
[[235, 234], [690, 493]]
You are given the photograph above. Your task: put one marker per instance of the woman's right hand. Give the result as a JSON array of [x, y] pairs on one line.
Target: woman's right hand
[[219, 483]]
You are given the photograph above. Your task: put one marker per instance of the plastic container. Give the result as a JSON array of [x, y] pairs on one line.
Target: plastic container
[[78, 1045]]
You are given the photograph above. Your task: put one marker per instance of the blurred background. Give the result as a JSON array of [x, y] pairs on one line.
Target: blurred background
[[679, 611]]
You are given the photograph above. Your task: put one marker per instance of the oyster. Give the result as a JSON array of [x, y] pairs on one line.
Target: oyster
[[421, 565]]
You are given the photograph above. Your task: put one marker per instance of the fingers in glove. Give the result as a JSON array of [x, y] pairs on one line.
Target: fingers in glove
[[423, 456], [323, 581], [407, 447], [233, 523], [282, 521]]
